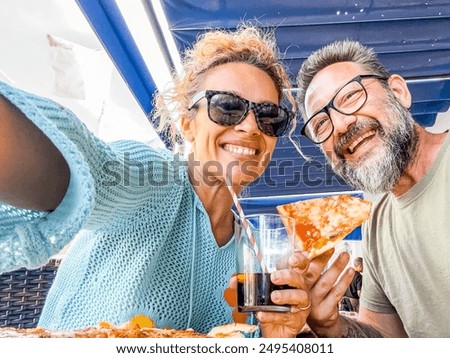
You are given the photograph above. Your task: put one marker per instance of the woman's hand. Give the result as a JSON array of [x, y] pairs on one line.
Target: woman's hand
[[288, 324]]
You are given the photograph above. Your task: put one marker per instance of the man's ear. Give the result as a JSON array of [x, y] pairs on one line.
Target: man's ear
[[188, 128], [400, 90]]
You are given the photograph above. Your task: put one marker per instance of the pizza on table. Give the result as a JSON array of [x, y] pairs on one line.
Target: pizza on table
[[138, 327]]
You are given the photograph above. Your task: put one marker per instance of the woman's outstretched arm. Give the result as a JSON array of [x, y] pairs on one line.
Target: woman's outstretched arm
[[33, 173]]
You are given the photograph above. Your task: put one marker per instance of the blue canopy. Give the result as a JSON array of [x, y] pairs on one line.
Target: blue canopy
[[412, 38]]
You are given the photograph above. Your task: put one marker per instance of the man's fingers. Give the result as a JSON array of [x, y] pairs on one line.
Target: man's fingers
[[316, 267], [326, 282], [337, 292]]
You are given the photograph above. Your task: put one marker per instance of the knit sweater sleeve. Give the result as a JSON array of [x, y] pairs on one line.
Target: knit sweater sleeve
[[106, 180]]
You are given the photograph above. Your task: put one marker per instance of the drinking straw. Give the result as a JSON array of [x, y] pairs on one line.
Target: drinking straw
[[245, 223]]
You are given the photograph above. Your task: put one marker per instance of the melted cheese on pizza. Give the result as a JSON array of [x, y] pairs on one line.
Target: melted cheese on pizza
[[322, 222]]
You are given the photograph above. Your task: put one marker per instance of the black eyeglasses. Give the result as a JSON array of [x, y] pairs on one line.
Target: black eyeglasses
[[348, 99], [228, 109]]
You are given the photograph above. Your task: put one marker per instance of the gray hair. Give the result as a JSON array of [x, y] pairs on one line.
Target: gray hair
[[339, 51]]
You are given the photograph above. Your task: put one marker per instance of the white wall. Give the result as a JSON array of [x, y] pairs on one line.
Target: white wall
[[26, 63]]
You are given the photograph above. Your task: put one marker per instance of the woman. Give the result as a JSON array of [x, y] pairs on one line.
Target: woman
[[157, 230]]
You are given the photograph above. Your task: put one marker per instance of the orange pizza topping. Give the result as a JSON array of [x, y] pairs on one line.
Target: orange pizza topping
[[322, 222]]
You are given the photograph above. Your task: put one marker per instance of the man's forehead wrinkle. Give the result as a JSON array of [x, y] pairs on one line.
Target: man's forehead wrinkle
[[312, 95], [321, 95]]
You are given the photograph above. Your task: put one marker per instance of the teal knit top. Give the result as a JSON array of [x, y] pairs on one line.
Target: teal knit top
[[142, 240]]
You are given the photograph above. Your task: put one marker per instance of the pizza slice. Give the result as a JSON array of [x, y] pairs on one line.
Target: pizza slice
[[322, 222]]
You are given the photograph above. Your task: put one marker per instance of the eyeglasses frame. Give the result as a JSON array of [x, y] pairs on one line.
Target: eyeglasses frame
[[330, 105]]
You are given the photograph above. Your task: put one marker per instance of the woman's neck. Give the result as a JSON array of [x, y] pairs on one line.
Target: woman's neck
[[217, 201]]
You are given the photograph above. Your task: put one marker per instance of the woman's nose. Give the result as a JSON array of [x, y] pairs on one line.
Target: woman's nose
[[248, 125]]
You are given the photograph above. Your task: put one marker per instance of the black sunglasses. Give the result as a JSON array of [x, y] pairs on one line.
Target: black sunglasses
[[228, 109]]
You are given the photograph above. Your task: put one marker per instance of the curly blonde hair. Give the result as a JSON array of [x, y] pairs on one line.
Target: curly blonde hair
[[248, 44]]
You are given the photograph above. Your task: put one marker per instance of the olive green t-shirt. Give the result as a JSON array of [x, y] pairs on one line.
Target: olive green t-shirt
[[406, 249]]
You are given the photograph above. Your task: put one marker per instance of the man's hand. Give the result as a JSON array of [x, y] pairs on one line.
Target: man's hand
[[326, 291]]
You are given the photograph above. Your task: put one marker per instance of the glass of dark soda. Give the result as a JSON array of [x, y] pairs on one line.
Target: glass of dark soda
[[262, 247]]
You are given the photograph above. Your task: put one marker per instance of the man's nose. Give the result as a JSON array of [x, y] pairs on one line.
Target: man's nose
[[341, 121]]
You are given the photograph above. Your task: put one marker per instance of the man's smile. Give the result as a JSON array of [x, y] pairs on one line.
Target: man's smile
[[359, 140]]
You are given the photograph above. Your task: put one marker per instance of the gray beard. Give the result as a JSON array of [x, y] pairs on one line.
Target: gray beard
[[378, 171]]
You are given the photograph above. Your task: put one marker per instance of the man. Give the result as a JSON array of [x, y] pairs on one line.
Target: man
[[350, 302], [357, 112]]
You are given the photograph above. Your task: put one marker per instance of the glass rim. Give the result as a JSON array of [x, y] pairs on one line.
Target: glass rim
[[249, 217]]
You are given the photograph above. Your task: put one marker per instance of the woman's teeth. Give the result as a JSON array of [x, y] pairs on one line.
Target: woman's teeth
[[239, 150]]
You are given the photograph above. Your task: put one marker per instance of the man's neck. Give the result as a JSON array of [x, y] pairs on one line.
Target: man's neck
[[428, 148]]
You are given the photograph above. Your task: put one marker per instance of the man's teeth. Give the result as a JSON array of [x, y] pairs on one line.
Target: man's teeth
[[239, 150], [358, 140]]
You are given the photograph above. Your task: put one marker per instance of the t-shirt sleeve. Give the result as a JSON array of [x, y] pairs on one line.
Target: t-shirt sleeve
[[372, 297], [106, 180]]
